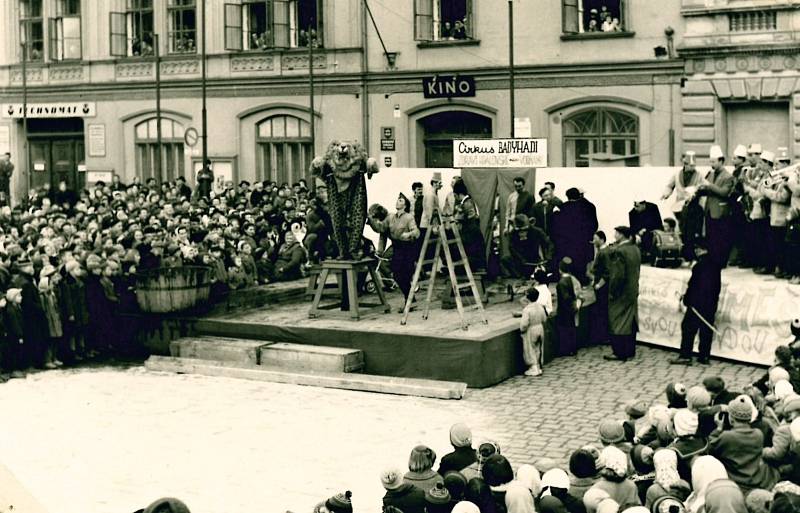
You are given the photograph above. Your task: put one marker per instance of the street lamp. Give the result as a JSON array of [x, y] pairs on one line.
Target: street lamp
[[24, 54]]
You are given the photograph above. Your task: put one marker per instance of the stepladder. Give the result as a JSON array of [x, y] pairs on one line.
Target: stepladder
[[444, 234]]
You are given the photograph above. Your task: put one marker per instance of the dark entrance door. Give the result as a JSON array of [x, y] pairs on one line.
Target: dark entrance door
[[56, 148], [441, 129]]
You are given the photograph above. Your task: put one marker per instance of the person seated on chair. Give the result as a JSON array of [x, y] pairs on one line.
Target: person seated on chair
[[291, 257], [527, 244], [644, 218]]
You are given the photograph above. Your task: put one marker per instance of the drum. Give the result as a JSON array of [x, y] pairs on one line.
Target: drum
[[667, 249]]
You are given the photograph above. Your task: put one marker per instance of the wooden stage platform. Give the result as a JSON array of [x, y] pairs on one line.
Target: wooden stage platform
[[437, 348]]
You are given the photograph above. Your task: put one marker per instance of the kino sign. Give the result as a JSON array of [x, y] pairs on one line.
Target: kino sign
[[499, 153], [448, 86]]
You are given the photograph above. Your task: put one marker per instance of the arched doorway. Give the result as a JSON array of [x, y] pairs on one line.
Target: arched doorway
[[440, 129]]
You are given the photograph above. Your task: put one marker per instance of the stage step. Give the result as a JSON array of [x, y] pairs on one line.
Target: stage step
[[340, 380], [302, 357], [234, 350], [281, 355]]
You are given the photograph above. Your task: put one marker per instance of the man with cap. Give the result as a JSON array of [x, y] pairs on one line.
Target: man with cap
[[624, 266], [760, 167], [34, 322], [404, 496], [701, 300], [717, 189], [775, 188], [527, 244], [683, 184], [740, 206]]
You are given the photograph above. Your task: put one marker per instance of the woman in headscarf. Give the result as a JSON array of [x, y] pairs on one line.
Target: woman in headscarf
[[613, 477], [725, 496], [519, 498], [667, 477], [592, 499], [529, 476], [466, 507], [556, 482], [479, 493], [706, 470]]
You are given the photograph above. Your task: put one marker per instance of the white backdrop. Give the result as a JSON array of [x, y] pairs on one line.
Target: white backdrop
[[612, 189]]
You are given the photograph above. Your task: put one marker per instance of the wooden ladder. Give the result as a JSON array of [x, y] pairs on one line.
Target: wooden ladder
[[437, 234]]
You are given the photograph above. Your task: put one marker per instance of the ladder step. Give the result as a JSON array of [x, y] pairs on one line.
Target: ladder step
[[452, 241], [467, 285], [459, 262]]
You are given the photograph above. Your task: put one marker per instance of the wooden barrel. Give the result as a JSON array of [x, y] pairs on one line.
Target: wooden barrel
[[172, 289]]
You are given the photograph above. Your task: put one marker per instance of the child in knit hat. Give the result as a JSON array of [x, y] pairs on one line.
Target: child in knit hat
[[12, 321], [687, 444], [339, 503], [740, 448], [531, 325], [463, 454]]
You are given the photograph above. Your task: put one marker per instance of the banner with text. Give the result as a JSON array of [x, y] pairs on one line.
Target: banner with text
[[752, 319], [499, 153], [49, 110]]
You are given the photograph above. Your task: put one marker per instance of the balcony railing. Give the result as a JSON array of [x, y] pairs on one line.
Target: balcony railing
[[753, 21]]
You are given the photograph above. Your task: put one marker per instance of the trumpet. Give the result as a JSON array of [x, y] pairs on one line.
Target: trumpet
[[778, 179]]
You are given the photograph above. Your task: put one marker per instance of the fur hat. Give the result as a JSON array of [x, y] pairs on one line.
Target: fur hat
[[759, 501], [714, 384], [340, 503], [611, 431], [685, 422], [497, 471], [697, 397], [460, 435], [392, 479], [642, 459], [636, 409], [582, 464], [740, 409]]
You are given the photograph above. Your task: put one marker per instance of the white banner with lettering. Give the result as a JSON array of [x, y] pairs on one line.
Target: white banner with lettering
[[752, 318], [51, 110], [499, 153]]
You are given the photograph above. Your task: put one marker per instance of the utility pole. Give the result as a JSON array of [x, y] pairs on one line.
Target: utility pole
[[311, 94], [26, 153], [512, 108], [203, 82], [159, 170]]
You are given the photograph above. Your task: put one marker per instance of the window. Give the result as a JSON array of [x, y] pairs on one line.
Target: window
[[31, 27], [284, 148], [753, 21], [593, 16], [172, 161], [266, 24], [132, 31], [601, 134], [439, 131], [182, 26], [65, 31], [443, 20]]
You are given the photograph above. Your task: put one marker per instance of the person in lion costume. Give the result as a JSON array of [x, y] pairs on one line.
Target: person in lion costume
[[342, 168]]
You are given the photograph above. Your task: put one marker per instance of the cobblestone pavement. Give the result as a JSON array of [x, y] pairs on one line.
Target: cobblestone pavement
[[113, 439]]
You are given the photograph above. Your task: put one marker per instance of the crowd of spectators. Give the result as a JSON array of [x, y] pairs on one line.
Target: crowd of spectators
[[700, 449], [69, 260]]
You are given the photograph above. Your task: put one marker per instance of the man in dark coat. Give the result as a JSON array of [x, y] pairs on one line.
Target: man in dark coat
[[6, 170], [543, 211], [624, 265], [34, 322], [205, 181], [701, 299], [418, 189], [644, 217], [574, 225]]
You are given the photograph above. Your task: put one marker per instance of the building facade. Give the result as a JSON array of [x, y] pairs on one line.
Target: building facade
[[597, 78], [742, 68]]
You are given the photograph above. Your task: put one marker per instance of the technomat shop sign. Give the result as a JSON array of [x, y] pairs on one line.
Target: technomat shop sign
[[49, 110]]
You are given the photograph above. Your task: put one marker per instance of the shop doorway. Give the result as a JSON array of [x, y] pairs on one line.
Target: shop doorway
[[55, 147], [758, 122]]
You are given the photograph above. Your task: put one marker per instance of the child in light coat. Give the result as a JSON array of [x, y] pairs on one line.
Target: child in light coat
[[531, 325]]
